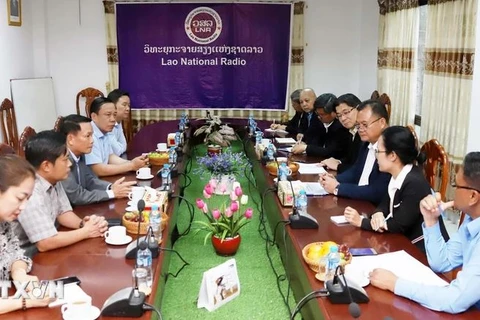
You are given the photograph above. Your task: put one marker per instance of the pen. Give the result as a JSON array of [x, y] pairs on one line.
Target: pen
[[439, 206]]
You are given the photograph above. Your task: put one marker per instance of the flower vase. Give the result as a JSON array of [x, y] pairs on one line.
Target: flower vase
[[214, 149], [227, 247], [224, 183]]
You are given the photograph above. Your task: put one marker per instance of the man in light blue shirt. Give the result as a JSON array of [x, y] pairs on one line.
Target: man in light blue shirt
[[462, 250], [102, 160], [121, 99]]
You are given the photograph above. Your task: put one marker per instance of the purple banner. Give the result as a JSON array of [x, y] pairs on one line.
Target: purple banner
[[220, 55]]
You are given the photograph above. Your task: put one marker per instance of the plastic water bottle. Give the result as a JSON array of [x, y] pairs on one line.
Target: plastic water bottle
[[155, 220], [333, 260], [172, 155], [258, 138], [282, 172], [144, 261], [270, 151], [301, 202], [181, 125], [166, 177], [178, 138]]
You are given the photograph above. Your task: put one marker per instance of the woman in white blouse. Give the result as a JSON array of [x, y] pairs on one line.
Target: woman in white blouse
[[17, 178], [399, 212]]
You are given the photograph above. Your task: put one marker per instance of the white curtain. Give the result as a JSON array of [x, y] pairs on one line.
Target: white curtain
[[447, 88], [142, 117], [398, 40]]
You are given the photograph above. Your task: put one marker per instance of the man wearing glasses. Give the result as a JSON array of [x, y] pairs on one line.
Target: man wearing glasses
[[462, 250], [363, 180], [347, 115]]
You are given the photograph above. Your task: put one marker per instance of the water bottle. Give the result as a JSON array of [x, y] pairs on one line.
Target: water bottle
[[258, 138], [181, 125], [282, 172], [178, 138], [172, 155], [166, 177], [270, 151], [333, 260], [155, 221], [301, 202], [144, 261]]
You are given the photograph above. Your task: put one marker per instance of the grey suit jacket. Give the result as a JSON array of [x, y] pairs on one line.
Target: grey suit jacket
[[89, 189]]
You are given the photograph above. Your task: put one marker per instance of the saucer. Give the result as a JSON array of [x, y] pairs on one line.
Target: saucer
[[145, 178], [125, 240], [361, 280], [131, 209], [93, 314]]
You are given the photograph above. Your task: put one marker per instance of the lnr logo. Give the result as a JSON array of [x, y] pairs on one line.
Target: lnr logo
[[32, 289]]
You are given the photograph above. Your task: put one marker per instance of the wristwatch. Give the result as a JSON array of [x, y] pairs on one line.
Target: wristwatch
[[335, 191]]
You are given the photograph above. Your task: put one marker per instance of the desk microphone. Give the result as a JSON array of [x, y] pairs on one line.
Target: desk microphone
[[300, 220], [131, 250], [127, 302]]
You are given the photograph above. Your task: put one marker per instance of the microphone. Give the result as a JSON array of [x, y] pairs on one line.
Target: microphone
[[127, 302], [300, 220], [131, 250]]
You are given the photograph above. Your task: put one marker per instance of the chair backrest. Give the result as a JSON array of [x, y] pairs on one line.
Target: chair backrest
[[385, 99], [127, 125], [27, 133], [412, 130], [6, 149], [56, 127], [9, 124], [375, 95], [89, 94], [436, 166]]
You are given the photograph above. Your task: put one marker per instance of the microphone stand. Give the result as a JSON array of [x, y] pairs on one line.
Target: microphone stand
[[137, 295]]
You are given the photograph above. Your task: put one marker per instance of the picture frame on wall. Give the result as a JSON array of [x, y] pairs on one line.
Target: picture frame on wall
[[14, 11]]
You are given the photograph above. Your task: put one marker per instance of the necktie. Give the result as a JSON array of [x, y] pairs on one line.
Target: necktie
[[309, 118]]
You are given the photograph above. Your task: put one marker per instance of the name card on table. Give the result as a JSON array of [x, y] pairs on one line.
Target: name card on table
[[219, 286]]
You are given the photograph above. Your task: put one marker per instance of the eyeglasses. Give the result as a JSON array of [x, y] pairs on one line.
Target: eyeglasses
[[379, 151], [454, 185], [345, 113], [364, 126]]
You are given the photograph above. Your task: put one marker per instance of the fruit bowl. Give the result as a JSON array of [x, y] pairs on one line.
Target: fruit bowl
[[130, 221], [314, 252], [157, 158], [272, 167]]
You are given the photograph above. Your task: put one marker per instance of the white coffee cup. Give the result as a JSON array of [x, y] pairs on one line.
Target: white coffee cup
[[78, 308], [144, 172], [136, 194], [266, 142], [162, 146], [116, 233]]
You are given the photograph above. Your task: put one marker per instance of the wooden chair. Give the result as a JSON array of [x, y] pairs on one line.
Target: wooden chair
[[27, 133], [436, 165], [89, 94], [412, 130], [128, 128], [385, 99], [6, 149], [56, 127], [9, 124], [375, 95]]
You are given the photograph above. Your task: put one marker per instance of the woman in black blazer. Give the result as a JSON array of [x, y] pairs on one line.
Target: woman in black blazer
[[399, 212]]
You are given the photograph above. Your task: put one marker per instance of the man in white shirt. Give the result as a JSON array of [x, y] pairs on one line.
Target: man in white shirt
[[363, 180], [121, 100]]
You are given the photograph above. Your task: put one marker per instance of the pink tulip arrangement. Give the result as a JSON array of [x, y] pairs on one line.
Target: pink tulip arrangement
[[224, 220]]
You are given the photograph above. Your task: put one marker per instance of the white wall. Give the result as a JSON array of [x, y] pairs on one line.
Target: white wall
[[16, 48], [76, 49], [341, 51]]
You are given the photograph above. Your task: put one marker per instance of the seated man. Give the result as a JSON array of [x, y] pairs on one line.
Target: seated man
[[347, 115], [336, 140], [47, 153], [121, 100], [462, 250], [311, 129], [102, 160], [293, 124], [82, 185], [363, 180]]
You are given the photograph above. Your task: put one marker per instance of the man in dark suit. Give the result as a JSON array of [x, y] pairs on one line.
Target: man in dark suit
[[363, 180], [336, 140], [293, 124], [347, 115], [311, 128], [82, 185]]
